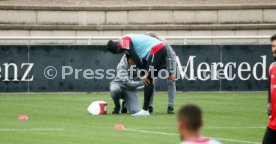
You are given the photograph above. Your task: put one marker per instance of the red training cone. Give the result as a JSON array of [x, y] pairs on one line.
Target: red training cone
[[119, 127], [22, 117]]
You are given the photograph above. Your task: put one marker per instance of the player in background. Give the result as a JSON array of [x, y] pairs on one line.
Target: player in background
[[171, 67], [189, 126], [148, 54], [270, 134], [125, 87]]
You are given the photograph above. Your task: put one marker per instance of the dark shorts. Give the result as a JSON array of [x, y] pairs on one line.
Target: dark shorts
[[157, 60], [270, 136]]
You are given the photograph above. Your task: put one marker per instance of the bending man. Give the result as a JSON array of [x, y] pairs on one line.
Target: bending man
[[149, 54]]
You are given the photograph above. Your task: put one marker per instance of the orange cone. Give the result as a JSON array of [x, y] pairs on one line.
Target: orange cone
[[22, 117], [119, 127]]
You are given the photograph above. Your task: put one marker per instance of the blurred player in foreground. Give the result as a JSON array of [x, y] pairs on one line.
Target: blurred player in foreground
[[189, 126], [270, 134], [148, 54], [171, 67], [125, 87]]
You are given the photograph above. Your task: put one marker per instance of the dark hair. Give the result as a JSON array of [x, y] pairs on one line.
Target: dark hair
[[191, 116], [127, 56], [112, 46], [273, 38]]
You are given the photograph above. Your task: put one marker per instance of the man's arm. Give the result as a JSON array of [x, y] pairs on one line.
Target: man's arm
[[123, 76], [138, 61], [126, 43], [171, 59], [269, 97]]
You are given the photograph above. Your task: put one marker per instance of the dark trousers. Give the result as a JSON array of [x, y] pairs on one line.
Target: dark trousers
[[156, 61], [270, 136]]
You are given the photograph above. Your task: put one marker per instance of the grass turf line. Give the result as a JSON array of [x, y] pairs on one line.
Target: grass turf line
[[68, 112]]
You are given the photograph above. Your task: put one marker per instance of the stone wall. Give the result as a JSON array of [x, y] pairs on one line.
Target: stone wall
[[166, 22]]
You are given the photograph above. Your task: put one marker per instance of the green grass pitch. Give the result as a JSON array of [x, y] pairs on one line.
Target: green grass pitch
[[232, 117]]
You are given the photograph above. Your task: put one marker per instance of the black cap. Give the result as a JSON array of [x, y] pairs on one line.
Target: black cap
[[112, 46]]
